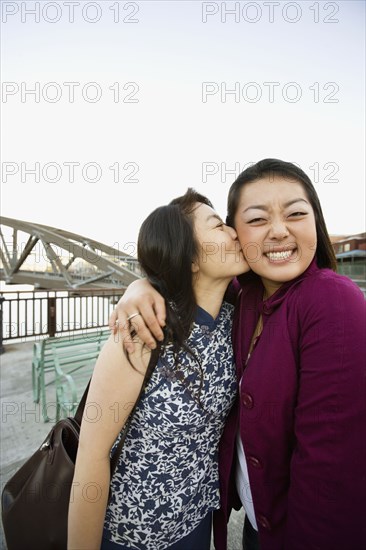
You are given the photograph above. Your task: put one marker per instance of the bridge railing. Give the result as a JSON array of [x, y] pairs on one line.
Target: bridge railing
[[355, 270], [32, 315]]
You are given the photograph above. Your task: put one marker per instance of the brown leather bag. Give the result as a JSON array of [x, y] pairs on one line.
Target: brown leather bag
[[35, 501]]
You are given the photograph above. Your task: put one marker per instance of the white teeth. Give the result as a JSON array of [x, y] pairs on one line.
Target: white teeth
[[284, 255]]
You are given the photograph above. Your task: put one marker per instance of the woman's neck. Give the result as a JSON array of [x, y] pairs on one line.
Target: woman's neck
[[270, 288], [210, 297]]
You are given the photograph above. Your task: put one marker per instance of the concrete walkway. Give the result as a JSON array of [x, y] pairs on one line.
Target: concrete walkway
[[23, 429]]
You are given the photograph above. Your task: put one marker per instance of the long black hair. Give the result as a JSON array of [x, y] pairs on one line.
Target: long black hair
[[166, 247], [324, 253]]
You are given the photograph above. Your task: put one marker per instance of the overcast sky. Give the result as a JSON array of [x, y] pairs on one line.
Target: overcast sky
[[162, 95]]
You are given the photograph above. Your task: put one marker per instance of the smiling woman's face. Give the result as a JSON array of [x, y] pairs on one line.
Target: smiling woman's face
[[276, 228]]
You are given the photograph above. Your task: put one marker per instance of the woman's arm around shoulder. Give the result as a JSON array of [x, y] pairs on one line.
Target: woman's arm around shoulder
[[113, 391], [142, 303], [327, 494]]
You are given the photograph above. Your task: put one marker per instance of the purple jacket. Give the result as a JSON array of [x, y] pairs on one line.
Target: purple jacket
[[302, 414]]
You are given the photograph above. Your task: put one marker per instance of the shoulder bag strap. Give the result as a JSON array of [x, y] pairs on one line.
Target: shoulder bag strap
[[80, 410], [150, 369]]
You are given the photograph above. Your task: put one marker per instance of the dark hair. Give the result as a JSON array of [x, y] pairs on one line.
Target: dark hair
[[166, 248], [324, 253]]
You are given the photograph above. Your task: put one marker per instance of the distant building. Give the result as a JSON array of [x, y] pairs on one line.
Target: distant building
[[349, 247], [350, 251]]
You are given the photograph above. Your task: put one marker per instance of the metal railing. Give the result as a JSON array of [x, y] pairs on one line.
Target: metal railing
[[355, 270], [29, 315], [32, 315]]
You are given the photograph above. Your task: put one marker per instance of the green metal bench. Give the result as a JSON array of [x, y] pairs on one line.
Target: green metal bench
[[66, 362]]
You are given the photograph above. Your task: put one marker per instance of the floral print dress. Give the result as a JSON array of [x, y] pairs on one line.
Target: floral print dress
[[167, 480]]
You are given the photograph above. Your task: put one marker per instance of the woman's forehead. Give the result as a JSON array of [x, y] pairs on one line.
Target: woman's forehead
[[271, 188], [202, 211]]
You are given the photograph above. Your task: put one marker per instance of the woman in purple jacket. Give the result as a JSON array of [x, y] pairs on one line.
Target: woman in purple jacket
[[293, 452]]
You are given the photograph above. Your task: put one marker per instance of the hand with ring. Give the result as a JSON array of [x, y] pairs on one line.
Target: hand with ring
[[132, 316], [143, 302]]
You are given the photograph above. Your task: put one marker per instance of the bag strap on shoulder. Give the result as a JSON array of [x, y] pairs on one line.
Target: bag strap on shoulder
[[150, 369], [80, 410]]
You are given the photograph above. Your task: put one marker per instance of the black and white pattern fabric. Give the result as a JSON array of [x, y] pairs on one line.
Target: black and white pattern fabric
[[167, 477]]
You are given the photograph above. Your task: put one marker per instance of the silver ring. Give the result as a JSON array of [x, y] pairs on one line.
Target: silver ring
[[132, 316]]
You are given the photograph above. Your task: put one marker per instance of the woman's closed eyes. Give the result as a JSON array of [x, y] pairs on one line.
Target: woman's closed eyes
[[294, 214]]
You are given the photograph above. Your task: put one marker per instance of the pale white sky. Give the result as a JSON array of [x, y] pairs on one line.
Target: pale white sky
[[176, 126]]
